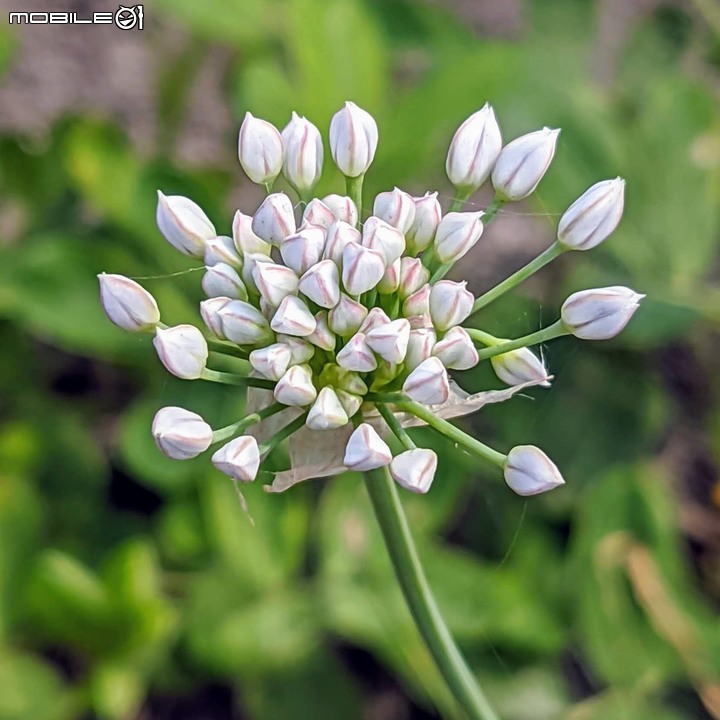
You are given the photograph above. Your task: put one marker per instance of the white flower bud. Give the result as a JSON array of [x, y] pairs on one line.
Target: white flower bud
[[414, 470], [184, 224], [271, 361], [239, 459], [275, 282], [318, 213], [362, 268], [351, 403], [385, 373], [450, 303], [304, 249], [180, 434], [343, 208], [260, 150], [234, 320], [474, 150], [377, 316], [601, 313], [390, 281], [347, 316], [293, 318], [221, 249], [182, 350], [413, 275], [352, 383], [300, 350], [221, 280], [520, 366], [127, 304], [529, 471], [421, 322], [420, 346], [523, 162], [457, 233], [339, 234], [321, 284], [357, 355], [274, 220], [295, 387], [327, 413], [418, 303], [428, 383], [353, 140], [593, 216], [390, 341], [246, 241], [427, 217], [322, 336], [250, 262], [303, 153], [456, 350], [396, 208], [366, 450], [378, 235]]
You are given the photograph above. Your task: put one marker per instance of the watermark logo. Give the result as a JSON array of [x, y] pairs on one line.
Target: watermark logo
[[125, 18]]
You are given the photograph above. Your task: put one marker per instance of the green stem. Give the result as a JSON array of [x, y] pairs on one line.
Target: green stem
[[419, 597], [353, 187], [483, 337], [394, 424], [555, 250], [557, 329], [462, 195], [231, 379], [283, 433], [256, 417]]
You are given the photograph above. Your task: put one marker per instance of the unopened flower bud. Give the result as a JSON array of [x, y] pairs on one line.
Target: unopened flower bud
[[322, 337], [420, 322], [413, 275], [420, 346], [390, 281], [378, 235], [327, 413], [427, 218], [428, 383], [300, 350], [456, 350], [347, 316], [318, 213], [303, 153], [474, 149], [414, 470], [593, 216], [353, 140], [246, 241], [362, 268], [127, 304], [529, 471], [351, 403], [418, 303], [180, 434], [321, 284], [366, 450], [221, 280], [184, 224], [385, 374], [271, 361], [352, 383], [457, 234], [343, 208], [303, 249], [275, 282], [520, 366], [182, 350], [260, 150], [339, 234], [221, 249], [450, 303], [293, 318], [390, 341], [599, 314], [523, 162], [239, 459], [250, 262], [234, 320], [295, 387], [274, 220], [357, 355], [396, 208], [377, 316]]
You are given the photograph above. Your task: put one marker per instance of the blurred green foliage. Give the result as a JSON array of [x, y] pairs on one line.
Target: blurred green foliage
[[127, 579]]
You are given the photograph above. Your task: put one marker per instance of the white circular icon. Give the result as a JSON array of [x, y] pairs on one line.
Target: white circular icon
[[126, 18]]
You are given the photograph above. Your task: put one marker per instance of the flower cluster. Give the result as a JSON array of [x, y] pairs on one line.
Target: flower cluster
[[347, 326]]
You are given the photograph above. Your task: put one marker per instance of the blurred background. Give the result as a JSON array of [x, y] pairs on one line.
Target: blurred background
[[133, 587]]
